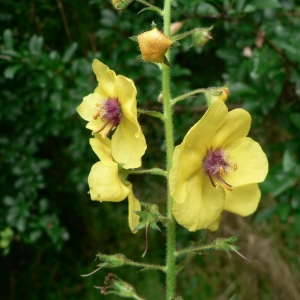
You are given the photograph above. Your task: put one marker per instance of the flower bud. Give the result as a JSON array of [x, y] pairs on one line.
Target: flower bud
[[120, 4], [112, 261], [175, 27], [214, 94], [153, 45], [201, 36]]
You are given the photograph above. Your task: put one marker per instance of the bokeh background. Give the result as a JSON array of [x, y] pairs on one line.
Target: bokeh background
[[50, 230]]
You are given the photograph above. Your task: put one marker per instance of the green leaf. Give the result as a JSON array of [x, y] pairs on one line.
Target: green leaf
[[262, 4], [288, 161], [283, 185], [207, 9], [35, 45], [69, 52], [10, 71], [284, 210], [265, 214], [295, 118], [8, 39]]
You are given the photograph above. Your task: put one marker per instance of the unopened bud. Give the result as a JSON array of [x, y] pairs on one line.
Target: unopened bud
[[120, 4], [112, 261], [175, 27], [214, 94], [153, 46], [201, 36]]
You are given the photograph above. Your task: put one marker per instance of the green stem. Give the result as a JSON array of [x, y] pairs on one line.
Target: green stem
[[146, 266], [154, 171], [151, 113], [188, 95], [171, 239], [160, 12], [195, 249]]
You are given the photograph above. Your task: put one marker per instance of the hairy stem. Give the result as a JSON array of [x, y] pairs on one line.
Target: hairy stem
[[170, 259]]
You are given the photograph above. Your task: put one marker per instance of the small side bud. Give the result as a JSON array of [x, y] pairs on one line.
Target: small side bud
[[160, 98], [116, 286], [111, 261], [175, 27], [120, 4], [214, 94], [201, 36], [153, 46]]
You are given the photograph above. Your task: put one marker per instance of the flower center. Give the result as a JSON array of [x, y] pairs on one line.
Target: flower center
[[216, 164], [110, 113]]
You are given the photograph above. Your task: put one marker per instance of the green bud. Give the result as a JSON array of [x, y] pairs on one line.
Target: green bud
[[112, 261], [201, 36], [121, 4]]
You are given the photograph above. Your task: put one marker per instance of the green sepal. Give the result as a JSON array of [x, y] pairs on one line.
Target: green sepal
[[149, 8], [122, 4], [133, 38], [111, 261], [166, 62], [150, 217]]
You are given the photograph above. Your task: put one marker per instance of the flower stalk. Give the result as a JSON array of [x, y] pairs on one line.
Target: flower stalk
[[171, 239]]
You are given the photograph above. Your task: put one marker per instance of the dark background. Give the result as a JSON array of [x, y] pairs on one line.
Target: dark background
[[50, 230]]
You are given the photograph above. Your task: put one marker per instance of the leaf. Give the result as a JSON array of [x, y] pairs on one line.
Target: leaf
[[288, 161], [283, 186], [295, 118], [265, 214], [10, 71], [35, 44], [8, 39], [69, 52], [261, 4]]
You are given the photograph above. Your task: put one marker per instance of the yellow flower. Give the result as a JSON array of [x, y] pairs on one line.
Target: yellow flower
[[216, 168], [153, 45], [113, 105], [106, 183]]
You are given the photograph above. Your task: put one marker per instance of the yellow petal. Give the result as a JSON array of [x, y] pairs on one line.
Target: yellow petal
[[243, 200], [215, 224], [102, 148], [126, 91], [87, 108], [203, 204], [133, 205], [105, 184], [181, 171], [251, 161], [127, 146], [106, 79], [194, 146], [236, 126]]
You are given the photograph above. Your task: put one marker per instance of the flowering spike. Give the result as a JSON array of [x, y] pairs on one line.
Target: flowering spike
[[153, 46]]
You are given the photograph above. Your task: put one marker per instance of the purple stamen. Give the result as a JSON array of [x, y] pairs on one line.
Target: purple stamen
[[110, 113], [216, 165]]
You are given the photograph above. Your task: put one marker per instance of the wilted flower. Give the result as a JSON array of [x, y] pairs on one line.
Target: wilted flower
[[107, 183], [113, 106], [153, 45], [216, 168]]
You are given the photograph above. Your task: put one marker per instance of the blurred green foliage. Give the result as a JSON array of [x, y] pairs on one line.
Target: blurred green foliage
[[49, 228]]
